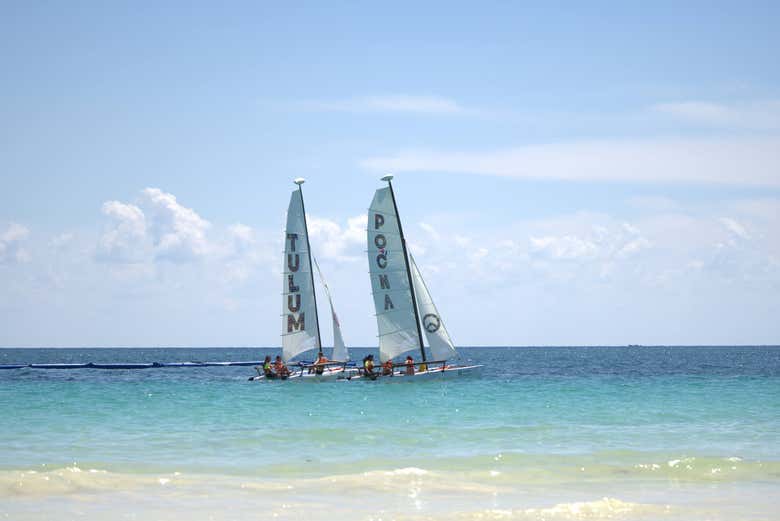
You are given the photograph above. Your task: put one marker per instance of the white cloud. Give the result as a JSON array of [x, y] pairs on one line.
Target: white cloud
[[61, 241], [179, 233], [158, 249], [579, 268], [758, 115], [159, 228], [249, 255], [12, 244], [738, 161], [243, 252], [606, 243], [124, 240], [431, 231], [241, 238], [390, 103], [735, 227], [634, 246], [461, 241], [582, 248], [14, 232], [334, 241], [565, 247]]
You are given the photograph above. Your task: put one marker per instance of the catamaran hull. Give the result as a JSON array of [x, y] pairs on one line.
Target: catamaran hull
[[304, 376], [447, 372]]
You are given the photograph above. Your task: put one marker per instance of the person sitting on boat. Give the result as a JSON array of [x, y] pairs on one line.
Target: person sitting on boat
[[280, 368], [319, 365], [387, 368], [368, 367], [268, 372], [409, 366]]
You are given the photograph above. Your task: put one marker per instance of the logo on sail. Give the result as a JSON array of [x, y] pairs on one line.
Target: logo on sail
[[294, 295], [431, 323], [380, 241]]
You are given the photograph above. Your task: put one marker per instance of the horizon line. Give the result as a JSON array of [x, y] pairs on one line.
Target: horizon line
[[375, 347]]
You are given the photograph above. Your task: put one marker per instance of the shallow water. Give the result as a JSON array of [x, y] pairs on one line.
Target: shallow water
[[541, 433]]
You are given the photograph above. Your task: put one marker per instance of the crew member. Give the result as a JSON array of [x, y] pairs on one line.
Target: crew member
[[387, 368], [268, 372], [280, 368], [319, 365], [368, 367], [409, 366]]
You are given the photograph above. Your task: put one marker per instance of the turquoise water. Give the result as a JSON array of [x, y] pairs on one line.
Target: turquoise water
[[672, 427]]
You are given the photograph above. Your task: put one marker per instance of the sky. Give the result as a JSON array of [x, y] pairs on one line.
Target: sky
[[568, 173]]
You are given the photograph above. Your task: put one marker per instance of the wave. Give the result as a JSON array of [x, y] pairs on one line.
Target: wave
[[402, 494], [551, 469], [333, 496], [605, 508], [497, 474], [410, 483], [72, 480], [632, 466]]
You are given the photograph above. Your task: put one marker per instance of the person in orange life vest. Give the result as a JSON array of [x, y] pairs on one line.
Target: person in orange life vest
[[321, 359], [280, 368], [387, 368]]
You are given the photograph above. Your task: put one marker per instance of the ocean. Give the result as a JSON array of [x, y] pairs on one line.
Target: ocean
[[541, 433]]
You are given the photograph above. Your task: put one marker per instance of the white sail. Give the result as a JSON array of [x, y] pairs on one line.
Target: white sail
[[395, 316], [439, 340], [339, 348], [299, 312]]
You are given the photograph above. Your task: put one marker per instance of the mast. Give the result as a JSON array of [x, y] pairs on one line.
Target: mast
[[389, 178], [299, 181]]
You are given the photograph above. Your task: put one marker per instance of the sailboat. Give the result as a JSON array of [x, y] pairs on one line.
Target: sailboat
[[404, 306], [300, 320]]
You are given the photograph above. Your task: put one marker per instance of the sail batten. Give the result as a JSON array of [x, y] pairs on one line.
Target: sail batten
[[393, 332]]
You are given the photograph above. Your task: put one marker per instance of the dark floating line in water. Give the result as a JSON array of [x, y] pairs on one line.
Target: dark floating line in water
[[150, 365]]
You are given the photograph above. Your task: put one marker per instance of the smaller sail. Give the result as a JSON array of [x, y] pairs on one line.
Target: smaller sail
[[340, 352], [439, 340]]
